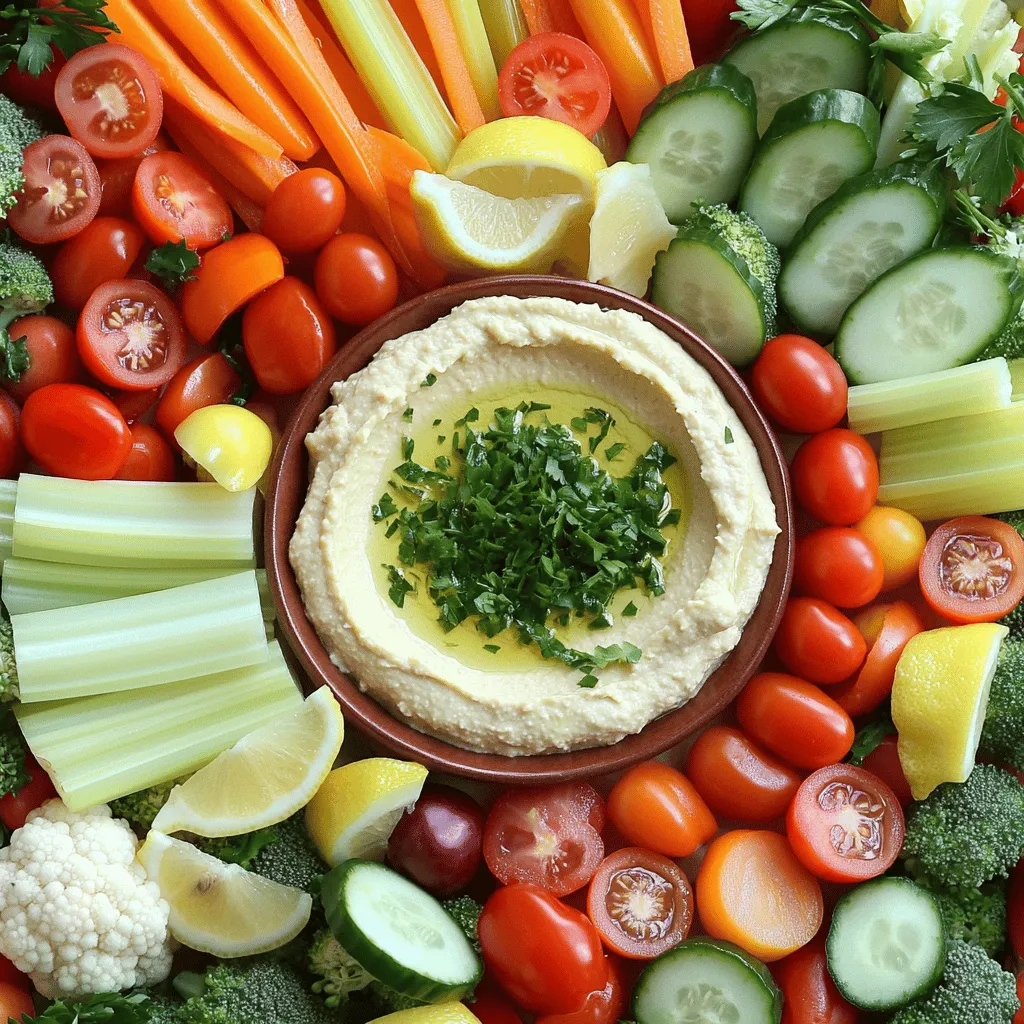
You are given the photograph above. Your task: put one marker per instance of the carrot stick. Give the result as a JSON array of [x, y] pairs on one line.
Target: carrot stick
[[668, 30], [180, 82], [643, 12], [409, 15], [538, 16]]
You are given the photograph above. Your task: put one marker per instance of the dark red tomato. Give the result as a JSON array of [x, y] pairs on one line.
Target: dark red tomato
[[439, 843], [288, 337], [845, 824], [74, 431], [557, 76], [16, 1002], [102, 251], [12, 451], [809, 995], [737, 779], [208, 380], [52, 354], [972, 569], [130, 336], [1015, 910], [1013, 204], [61, 193], [709, 27], [492, 1006], [550, 836], [10, 975], [884, 763], [839, 565], [356, 279], [305, 211], [150, 457], [15, 807], [132, 404], [110, 99], [118, 176], [795, 719], [799, 385], [641, 903], [818, 642], [33, 90], [602, 1007], [835, 477], [545, 955], [1018, 1017]]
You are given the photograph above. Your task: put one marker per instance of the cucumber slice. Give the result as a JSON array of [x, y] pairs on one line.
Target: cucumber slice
[[936, 311], [807, 50], [706, 980], [398, 932], [698, 137], [873, 223], [814, 145], [886, 945]]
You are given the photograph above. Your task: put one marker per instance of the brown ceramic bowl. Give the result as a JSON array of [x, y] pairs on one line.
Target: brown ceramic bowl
[[288, 491]]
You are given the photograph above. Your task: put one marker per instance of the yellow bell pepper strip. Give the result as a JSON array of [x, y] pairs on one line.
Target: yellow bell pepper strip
[[232, 444]]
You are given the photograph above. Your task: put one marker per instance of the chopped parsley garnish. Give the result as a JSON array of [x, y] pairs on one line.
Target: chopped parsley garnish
[[437, 422], [429, 381], [614, 450], [492, 648], [407, 415], [630, 610], [399, 586], [728, 436], [385, 508], [173, 262]]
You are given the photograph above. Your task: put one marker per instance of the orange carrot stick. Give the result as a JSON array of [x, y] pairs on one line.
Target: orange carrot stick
[[180, 82], [643, 12], [668, 30], [409, 15], [538, 16]]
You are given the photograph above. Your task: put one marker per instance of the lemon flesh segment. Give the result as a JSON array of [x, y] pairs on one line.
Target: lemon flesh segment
[[221, 908], [264, 778], [442, 1013], [357, 808], [628, 230], [939, 699]]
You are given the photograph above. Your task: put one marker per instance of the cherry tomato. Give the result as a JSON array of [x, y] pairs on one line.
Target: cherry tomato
[[845, 824], [10, 975], [752, 890], [799, 385], [118, 176], [288, 337], [900, 540], [972, 569], [102, 251], [438, 844], [150, 456], [208, 380], [15, 807], [61, 193], [173, 200], [835, 477], [33, 90], [53, 356], [559, 77], [356, 279], [305, 211], [604, 1006], [657, 807], [809, 995], [817, 642], [1018, 1017], [133, 405], [709, 27], [796, 720], [839, 565], [110, 99], [737, 779], [884, 763], [549, 836], [641, 903], [74, 431], [15, 1001], [492, 1006], [547, 956], [1015, 909], [12, 451]]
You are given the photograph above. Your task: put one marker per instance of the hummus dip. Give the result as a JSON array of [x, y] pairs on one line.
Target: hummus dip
[[497, 694]]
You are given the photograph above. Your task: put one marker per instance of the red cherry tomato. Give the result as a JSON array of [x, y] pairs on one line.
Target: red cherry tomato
[[61, 193], [1015, 909], [835, 477], [839, 565], [801, 387], [15, 1002], [557, 76], [74, 431], [133, 405], [12, 451], [884, 763], [605, 1006], [845, 825], [102, 251], [818, 642], [1018, 1017], [356, 279], [492, 1006], [547, 956], [10, 975], [52, 353], [118, 176], [709, 27], [33, 90], [809, 995], [305, 211], [150, 456], [15, 807], [208, 380], [548, 836]]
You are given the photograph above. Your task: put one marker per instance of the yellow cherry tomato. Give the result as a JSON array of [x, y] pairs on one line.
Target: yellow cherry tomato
[[230, 443], [900, 539]]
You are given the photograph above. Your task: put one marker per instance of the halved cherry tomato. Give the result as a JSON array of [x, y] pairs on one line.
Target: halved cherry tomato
[[356, 279], [305, 211], [972, 569], [15, 1002], [737, 779], [557, 76], [657, 807], [845, 824], [150, 457], [12, 451], [604, 1006], [900, 540], [208, 380], [130, 336], [818, 642], [835, 477], [33, 90], [492, 1006], [641, 903], [52, 353], [752, 890], [809, 995], [61, 193], [110, 99], [118, 176], [1015, 909], [74, 431], [839, 565], [102, 251], [884, 763], [795, 719], [550, 836], [15, 807], [173, 200]]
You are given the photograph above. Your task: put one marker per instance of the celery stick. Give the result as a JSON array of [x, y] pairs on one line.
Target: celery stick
[[8, 495], [124, 522], [469, 27], [506, 27], [1017, 376], [133, 642], [395, 76], [964, 391]]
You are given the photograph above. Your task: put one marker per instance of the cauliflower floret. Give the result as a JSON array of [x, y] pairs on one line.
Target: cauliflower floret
[[78, 913]]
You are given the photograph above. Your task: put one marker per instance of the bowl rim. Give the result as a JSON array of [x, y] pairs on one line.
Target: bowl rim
[[286, 495]]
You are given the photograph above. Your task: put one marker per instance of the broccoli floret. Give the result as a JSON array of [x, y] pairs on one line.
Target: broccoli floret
[[17, 130], [1002, 737], [976, 916], [965, 834], [466, 912], [25, 288], [8, 668], [241, 850], [292, 859], [12, 755], [1015, 620], [1009, 344], [338, 974], [139, 809]]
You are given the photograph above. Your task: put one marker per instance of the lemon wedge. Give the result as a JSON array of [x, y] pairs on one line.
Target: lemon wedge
[[357, 808], [442, 1013], [264, 778], [221, 908], [939, 699]]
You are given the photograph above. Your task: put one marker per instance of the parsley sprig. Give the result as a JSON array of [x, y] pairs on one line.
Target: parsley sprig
[[108, 1007], [27, 32], [173, 262]]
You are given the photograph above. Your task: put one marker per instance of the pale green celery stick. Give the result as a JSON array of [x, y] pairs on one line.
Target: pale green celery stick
[[124, 522], [395, 76], [1017, 379], [134, 642], [8, 494], [469, 27], [99, 748], [964, 391], [506, 27]]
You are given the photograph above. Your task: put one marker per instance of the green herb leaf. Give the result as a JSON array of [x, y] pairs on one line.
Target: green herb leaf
[[407, 415], [14, 357], [614, 450], [728, 436], [429, 381], [589, 681], [630, 610], [385, 508], [492, 648], [870, 736], [27, 32], [173, 262], [757, 14], [108, 1007], [408, 445], [399, 585]]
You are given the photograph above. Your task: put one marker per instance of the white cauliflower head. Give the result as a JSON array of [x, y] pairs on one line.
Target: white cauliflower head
[[78, 913]]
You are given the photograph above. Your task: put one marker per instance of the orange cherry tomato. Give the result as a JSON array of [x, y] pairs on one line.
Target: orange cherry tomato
[[900, 540], [884, 763], [356, 279], [118, 176], [839, 565], [809, 994], [752, 890], [835, 477], [208, 380], [15, 807], [150, 457], [12, 451], [102, 251], [817, 642], [604, 1006], [305, 211], [15, 1002], [657, 807], [52, 353]]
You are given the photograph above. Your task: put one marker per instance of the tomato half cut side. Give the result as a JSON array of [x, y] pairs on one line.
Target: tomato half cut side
[[972, 569]]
